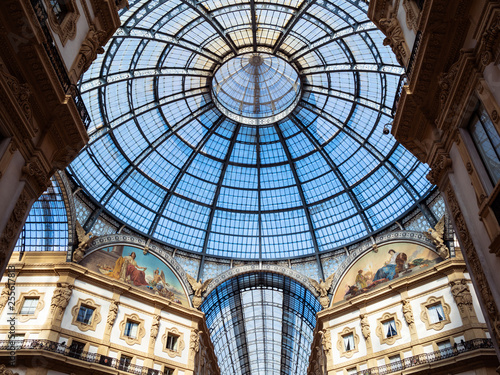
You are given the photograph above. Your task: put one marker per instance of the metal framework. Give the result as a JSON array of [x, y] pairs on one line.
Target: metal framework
[[261, 323], [167, 162]]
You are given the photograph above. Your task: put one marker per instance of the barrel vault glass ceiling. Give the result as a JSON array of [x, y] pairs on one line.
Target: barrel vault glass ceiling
[[309, 172]]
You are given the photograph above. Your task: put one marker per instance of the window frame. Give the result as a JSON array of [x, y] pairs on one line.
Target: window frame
[[141, 331], [180, 342], [347, 331], [32, 294], [96, 316], [380, 330], [424, 314], [475, 119], [65, 28]]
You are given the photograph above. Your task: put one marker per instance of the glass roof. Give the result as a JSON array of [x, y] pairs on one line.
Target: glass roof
[[261, 323], [46, 227], [256, 85], [165, 160]]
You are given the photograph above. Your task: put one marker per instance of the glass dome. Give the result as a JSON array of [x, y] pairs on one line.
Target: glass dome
[[167, 161], [256, 88]]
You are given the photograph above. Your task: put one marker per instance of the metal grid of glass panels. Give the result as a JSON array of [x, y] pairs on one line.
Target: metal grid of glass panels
[[261, 323], [255, 85], [46, 228], [164, 160]]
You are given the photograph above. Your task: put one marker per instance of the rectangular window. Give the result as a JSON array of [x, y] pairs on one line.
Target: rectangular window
[[172, 342], [153, 372], [124, 363], [131, 329], [168, 371], [487, 141], [390, 328], [85, 314], [76, 349], [435, 313], [348, 342], [352, 371], [29, 306]]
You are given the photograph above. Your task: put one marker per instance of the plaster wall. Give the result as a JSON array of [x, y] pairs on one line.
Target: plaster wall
[[425, 288], [465, 194], [93, 289], [10, 188], [409, 35], [43, 315], [69, 52], [383, 303], [455, 319]]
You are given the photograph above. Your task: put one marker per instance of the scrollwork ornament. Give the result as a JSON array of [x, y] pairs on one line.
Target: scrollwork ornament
[[474, 263]]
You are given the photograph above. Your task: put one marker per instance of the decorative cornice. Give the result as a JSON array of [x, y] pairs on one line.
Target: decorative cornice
[[474, 264], [233, 272], [489, 39], [439, 167]]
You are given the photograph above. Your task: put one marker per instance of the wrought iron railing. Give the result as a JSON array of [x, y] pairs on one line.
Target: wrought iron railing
[[57, 63], [426, 358], [71, 351], [406, 76]]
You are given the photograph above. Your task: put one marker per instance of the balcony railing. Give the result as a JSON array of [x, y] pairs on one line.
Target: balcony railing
[[406, 76], [426, 358], [70, 351], [58, 64]]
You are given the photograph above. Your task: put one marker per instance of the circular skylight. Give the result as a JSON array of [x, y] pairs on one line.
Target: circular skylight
[[256, 88], [166, 161]]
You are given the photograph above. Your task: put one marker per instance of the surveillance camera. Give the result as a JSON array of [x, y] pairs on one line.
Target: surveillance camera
[[386, 130]]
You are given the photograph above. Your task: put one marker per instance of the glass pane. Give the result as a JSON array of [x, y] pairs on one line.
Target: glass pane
[[29, 306], [487, 141]]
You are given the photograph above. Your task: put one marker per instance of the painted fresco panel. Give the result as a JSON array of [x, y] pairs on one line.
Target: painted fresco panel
[[392, 261], [143, 271]]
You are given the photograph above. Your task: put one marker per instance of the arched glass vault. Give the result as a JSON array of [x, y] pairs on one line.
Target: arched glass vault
[[261, 323], [166, 161]]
